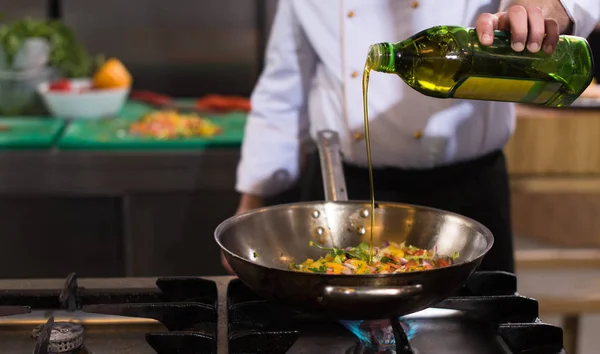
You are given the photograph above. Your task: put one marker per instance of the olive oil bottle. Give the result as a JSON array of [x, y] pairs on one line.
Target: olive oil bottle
[[449, 62]]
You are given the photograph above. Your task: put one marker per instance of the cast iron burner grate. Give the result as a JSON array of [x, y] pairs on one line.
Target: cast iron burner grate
[[186, 306], [258, 326]]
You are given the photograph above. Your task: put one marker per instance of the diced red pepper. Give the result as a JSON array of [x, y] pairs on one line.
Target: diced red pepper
[[443, 262], [60, 85], [151, 97]]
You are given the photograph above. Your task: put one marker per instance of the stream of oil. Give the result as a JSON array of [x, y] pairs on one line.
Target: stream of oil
[[365, 92]]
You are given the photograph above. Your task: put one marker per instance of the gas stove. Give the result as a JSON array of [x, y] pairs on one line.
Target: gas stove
[[193, 315]]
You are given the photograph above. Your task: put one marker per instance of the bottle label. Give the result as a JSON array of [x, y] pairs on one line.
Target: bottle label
[[510, 90]]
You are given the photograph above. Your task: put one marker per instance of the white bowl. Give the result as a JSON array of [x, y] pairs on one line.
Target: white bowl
[[92, 104]]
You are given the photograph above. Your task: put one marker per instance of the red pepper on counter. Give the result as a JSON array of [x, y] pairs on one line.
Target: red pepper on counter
[[210, 103], [152, 98]]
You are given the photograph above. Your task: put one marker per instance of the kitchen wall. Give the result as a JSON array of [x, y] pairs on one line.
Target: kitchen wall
[[16, 9], [182, 48]]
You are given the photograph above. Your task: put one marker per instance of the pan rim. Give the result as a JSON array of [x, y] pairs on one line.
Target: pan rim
[[225, 223]]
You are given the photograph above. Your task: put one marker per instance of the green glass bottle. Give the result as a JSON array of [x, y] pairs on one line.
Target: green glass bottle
[[449, 62]]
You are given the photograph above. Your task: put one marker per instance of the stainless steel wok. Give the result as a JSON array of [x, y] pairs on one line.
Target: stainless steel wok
[[260, 244]]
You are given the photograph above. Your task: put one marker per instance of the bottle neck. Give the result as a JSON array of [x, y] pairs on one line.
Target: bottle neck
[[382, 58]]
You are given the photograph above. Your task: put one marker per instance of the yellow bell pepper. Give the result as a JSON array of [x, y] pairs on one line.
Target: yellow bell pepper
[[358, 263], [337, 268], [396, 252], [363, 270]]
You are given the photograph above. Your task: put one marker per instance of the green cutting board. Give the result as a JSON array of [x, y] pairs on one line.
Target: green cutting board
[[107, 134], [29, 132]]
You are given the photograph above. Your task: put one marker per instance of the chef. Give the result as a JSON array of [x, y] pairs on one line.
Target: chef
[[440, 153]]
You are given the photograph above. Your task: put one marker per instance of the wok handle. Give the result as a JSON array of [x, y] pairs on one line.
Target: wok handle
[[334, 293], [330, 155]]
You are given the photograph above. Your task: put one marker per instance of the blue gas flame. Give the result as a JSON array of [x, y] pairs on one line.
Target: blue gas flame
[[366, 338]]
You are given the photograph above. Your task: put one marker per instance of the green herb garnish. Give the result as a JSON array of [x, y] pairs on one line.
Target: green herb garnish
[[363, 247], [360, 252], [321, 269], [334, 251]]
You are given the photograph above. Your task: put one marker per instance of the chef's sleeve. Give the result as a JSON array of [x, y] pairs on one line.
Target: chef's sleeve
[[278, 122], [585, 14]]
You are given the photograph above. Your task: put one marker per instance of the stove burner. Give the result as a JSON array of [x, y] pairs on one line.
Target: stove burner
[[484, 316], [186, 306], [380, 336], [360, 349], [64, 336], [377, 333]]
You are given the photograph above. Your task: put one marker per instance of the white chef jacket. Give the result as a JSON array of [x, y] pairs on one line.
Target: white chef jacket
[[312, 81]]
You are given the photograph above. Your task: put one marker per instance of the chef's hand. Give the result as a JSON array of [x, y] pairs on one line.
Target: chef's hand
[[528, 21], [247, 203]]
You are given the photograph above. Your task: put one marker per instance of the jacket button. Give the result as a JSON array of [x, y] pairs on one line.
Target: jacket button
[[418, 134], [357, 136], [414, 4], [351, 14], [354, 74]]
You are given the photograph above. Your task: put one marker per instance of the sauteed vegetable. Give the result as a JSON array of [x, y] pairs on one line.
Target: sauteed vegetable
[[391, 258]]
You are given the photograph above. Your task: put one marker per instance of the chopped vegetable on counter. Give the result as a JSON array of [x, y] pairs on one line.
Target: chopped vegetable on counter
[[172, 125], [390, 259], [223, 103]]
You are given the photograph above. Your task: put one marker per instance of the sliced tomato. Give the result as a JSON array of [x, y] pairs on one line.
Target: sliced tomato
[[444, 263], [60, 85]]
